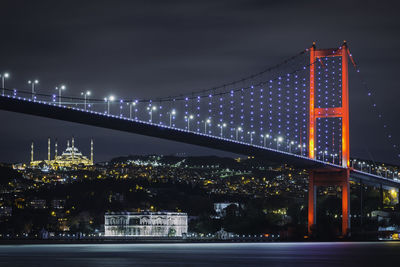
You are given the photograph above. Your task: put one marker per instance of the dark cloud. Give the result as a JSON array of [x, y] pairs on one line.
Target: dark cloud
[[159, 48]]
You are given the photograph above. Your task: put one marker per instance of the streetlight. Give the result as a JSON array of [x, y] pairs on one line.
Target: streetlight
[[33, 86], [290, 146], [333, 158], [360, 165], [301, 147], [190, 117], [3, 77], [121, 106], [151, 109], [279, 139], [352, 162], [251, 136], [222, 126], [206, 122], [265, 136], [379, 171], [60, 88], [323, 154], [132, 104], [85, 94], [108, 100], [171, 114], [238, 129]]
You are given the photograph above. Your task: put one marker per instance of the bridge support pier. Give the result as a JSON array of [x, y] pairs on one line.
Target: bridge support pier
[[381, 196], [329, 178]]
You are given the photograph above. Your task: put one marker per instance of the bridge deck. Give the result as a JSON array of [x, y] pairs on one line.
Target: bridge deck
[[51, 110]]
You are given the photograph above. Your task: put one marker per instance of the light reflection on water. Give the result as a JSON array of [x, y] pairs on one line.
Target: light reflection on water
[[228, 254]]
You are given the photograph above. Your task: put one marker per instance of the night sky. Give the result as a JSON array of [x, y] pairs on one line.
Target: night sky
[[160, 48]]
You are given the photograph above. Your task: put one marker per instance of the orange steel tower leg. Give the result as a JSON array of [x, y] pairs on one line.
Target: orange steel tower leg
[[311, 130], [333, 177], [311, 141], [346, 204], [345, 111], [312, 198], [345, 141]]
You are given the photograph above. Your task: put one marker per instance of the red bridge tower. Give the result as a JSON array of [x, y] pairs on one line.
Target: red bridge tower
[[330, 177]]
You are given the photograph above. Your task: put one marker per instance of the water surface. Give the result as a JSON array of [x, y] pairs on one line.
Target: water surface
[[205, 254]]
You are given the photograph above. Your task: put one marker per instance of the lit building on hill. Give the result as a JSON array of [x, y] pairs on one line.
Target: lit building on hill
[[38, 204], [146, 224], [69, 158]]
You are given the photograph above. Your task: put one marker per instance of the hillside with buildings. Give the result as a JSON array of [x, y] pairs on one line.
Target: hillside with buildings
[[243, 196]]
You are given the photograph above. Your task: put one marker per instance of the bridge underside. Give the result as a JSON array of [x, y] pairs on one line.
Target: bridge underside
[[321, 173], [154, 130]]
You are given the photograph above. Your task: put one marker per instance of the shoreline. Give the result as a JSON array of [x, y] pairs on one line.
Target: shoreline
[[136, 241], [158, 241]]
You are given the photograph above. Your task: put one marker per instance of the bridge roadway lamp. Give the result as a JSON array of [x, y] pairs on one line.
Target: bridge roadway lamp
[[206, 122], [131, 104], [290, 146], [85, 95], [108, 100], [60, 88], [188, 118], [121, 102], [251, 136], [362, 166], [265, 137], [3, 77], [323, 155], [222, 126], [333, 158], [301, 147], [238, 129], [151, 109], [32, 83], [353, 162], [279, 139], [378, 170], [171, 114]]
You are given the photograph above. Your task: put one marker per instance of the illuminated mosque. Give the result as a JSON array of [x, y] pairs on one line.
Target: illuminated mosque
[[69, 158]]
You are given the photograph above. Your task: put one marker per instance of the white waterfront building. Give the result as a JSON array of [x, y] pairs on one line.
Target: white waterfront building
[[146, 224]]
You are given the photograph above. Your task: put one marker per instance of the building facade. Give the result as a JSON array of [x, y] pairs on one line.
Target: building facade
[[38, 204], [146, 224]]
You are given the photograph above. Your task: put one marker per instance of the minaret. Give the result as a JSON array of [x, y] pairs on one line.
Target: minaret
[[73, 148], [48, 149], [55, 150], [91, 150], [32, 152]]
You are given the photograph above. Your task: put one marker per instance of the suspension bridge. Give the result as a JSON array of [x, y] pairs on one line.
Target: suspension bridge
[[295, 113]]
